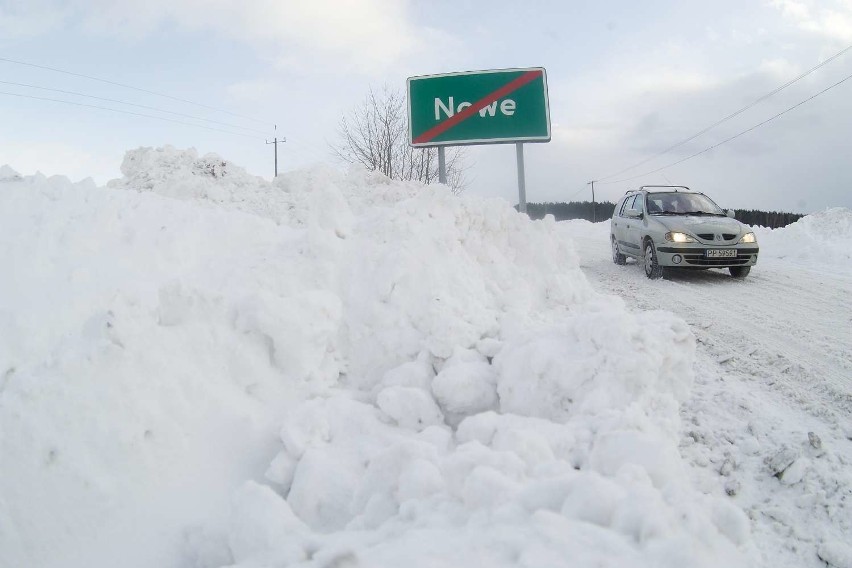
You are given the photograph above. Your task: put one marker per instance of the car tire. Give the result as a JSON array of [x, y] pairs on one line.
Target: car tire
[[617, 257], [739, 271], [652, 268]]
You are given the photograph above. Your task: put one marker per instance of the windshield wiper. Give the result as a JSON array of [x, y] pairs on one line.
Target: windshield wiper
[[666, 213], [701, 213]]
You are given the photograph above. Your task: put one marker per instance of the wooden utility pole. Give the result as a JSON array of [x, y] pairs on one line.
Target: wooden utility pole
[[275, 142], [594, 207]]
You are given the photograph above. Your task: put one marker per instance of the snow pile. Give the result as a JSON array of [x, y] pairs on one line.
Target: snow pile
[[201, 368], [8, 174], [821, 239], [317, 196]]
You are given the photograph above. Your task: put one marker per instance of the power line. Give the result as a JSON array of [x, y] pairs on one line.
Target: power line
[[575, 194], [131, 87], [732, 115], [800, 103], [132, 113], [133, 105], [314, 151]]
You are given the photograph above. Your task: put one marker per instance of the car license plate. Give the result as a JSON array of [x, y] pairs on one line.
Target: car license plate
[[721, 253]]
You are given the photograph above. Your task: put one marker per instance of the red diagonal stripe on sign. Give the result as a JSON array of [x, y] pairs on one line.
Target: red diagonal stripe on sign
[[510, 87]]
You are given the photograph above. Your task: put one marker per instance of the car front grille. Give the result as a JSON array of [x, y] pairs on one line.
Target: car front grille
[[710, 236], [700, 260]]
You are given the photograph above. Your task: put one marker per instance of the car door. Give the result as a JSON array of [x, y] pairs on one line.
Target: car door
[[619, 221], [632, 226]]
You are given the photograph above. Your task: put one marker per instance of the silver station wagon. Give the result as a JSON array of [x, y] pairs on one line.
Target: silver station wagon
[[671, 226]]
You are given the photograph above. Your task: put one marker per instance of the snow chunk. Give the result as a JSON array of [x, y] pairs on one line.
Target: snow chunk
[[467, 384], [417, 373], [594, 362], [836, 554], [795, 472], [299, 331], [324, 484], [618, 449], [593, 498], [731, 522], [264, 528], [779, 461], [178, 173], [411, 407]]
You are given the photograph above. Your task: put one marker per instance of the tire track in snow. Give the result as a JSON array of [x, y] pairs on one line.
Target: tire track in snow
[[773, 364], [788, 328]]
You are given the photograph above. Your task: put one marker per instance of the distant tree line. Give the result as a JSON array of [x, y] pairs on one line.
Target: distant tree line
[[574, 210], [770, 219], [603, 211]]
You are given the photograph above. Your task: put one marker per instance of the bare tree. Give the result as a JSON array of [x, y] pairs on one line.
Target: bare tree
[[375, 135]]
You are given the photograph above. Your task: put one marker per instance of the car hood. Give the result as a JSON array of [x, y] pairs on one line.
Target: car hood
[[694, 224]]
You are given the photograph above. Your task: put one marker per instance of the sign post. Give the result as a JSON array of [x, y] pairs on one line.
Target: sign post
[[522, 184], [480, 107]]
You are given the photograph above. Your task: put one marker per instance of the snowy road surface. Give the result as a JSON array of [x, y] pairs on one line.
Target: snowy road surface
[[774, 363], [788, 327]]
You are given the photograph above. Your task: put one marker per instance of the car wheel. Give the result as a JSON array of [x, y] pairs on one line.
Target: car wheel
[[652, 269], [739, 271], [617, 257]]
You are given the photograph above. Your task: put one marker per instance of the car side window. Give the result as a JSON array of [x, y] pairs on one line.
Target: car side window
[[628, 204]]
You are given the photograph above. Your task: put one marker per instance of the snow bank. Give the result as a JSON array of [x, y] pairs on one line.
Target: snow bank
[[822, 239], [201, 368]]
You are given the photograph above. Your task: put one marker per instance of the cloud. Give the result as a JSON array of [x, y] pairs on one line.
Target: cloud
[[24, 18], [254, 91], [367, 35], [830, 19], [779, 68], [636, 104]]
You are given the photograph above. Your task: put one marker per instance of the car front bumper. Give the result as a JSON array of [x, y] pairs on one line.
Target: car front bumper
[[692, 256]]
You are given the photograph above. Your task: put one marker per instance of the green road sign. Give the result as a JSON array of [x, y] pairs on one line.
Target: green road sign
[[479, 107]]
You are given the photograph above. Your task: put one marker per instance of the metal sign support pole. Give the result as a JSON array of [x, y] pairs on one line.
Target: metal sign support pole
[[442, 166], [522, 190]]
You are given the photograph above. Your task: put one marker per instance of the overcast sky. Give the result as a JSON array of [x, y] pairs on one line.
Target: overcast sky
[[626, 80]]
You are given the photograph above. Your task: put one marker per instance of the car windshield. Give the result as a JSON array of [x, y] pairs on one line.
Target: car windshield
[[677, 203]]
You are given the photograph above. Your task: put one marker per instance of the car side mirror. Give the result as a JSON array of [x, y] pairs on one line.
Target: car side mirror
[[730, 213], [634, 213]]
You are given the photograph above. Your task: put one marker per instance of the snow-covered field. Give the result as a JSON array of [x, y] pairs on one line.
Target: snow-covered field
[[200, 368]]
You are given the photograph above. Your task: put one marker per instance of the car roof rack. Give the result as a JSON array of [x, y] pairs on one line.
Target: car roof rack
[[675, 187]]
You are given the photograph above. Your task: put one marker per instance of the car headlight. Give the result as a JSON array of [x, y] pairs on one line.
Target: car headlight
[[748, 238], [679, 238]]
